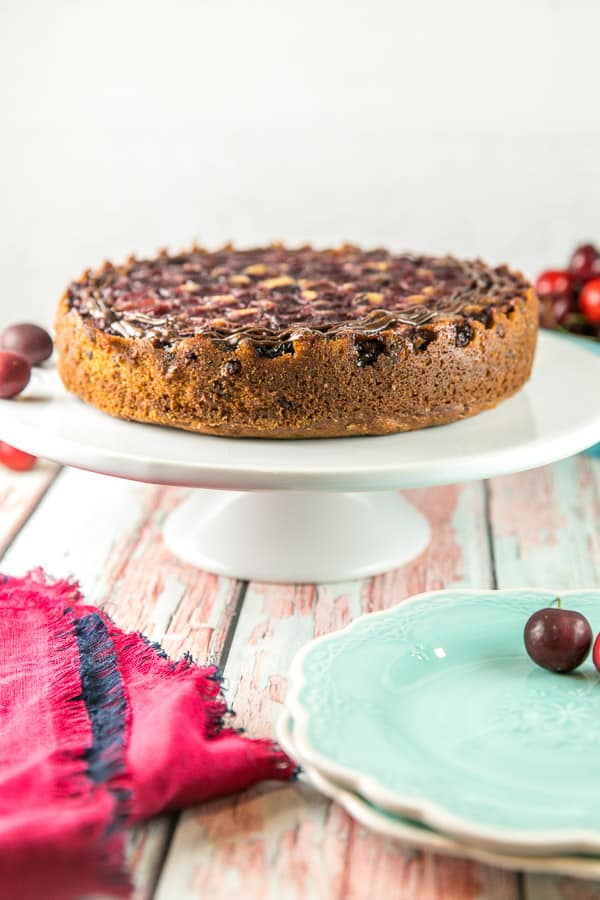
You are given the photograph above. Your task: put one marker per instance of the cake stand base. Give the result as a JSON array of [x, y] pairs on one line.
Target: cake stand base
[[293, 536]]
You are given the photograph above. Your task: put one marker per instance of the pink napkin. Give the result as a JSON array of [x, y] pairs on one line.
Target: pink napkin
[[100, 729]]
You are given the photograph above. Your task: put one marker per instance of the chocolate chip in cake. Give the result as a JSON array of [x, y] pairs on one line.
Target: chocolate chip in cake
[[232, 367], [270, 351], [368, 351], [422, 338], [484, 316], [220, 389], [464, 334], [284, 403]]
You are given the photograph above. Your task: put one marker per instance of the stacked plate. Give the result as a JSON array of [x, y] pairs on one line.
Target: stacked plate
[[429, 723]]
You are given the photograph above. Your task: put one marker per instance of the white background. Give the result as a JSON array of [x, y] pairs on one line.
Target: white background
[[463, 126]]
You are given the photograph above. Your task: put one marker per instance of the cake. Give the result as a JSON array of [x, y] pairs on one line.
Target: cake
[[296, 343]]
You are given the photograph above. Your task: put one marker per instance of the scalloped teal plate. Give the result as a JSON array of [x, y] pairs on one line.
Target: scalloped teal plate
[[433, 710]]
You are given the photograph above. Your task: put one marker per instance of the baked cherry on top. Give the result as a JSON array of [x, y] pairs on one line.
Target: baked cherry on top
[[558, 639]]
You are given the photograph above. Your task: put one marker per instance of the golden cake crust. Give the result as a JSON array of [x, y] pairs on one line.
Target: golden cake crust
[[370, 373]]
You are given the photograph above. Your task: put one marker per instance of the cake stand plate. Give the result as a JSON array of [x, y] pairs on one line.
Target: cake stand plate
[[309, 510]]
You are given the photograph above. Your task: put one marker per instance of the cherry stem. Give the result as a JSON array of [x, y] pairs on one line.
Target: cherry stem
[[558, 603]]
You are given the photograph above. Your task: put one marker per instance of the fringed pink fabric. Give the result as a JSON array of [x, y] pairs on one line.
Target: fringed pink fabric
[[100, 729]]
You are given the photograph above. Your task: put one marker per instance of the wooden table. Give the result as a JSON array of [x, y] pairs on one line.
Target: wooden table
[[540, 528]]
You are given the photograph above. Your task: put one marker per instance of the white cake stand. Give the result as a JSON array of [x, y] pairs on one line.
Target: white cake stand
[[314, 510]]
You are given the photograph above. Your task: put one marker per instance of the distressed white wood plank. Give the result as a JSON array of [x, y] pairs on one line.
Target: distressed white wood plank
[[546, 525], [20, 492], [261, 844], [107, 533], [145, 851], [289, 842]]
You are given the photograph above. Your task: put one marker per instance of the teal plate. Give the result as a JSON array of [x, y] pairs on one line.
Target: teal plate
[[433, 711]]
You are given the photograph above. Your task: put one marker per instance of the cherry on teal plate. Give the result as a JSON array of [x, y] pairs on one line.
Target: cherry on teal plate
[[432, 710]]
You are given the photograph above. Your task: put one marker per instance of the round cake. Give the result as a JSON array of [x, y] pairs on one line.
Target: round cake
[[296, 343]]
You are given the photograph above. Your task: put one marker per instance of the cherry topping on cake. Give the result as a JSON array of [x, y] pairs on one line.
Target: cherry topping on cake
[[15, 373], [267, 295]]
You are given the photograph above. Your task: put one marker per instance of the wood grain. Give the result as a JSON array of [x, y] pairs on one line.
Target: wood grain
[[546, 525], [20, 493], [290, 842]]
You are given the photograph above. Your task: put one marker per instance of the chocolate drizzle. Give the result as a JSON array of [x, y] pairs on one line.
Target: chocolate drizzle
[[272, 296]]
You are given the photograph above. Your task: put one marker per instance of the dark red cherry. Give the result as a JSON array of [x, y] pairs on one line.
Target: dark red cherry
[[31, 341], [561, 306], [15, 373], [558, 639], [585, 262]]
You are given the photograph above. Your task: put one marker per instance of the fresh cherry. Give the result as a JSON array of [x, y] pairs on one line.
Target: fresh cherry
[[554, 281], [596, 652], [560, 307], [15, 373], [585, 262], [589, 301], [558, 639], [31, 341], [15, 459]]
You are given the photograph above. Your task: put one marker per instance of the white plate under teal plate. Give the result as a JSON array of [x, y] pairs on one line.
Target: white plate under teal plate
[[432, 710], [414, 835]]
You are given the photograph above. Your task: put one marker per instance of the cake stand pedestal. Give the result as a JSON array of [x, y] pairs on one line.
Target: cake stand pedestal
[[296, 536], [314, 510]]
